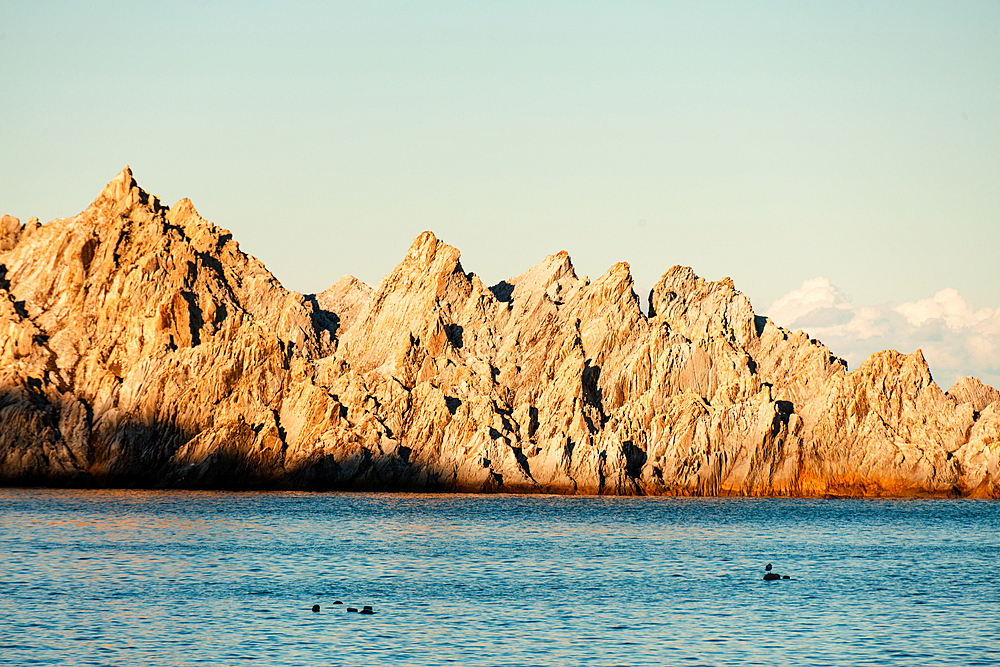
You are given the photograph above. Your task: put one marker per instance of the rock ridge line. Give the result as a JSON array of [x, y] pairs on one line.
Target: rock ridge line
[[140, 347]]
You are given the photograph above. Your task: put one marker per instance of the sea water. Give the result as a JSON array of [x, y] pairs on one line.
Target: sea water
[[199, 578]]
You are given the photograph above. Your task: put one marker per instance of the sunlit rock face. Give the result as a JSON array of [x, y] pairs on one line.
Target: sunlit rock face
[[140, 347]]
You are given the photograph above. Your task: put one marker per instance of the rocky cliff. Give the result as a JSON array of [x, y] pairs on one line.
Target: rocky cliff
[[140, 347]]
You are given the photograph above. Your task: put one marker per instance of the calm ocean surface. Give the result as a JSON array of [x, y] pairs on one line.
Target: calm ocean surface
[[191, 578]]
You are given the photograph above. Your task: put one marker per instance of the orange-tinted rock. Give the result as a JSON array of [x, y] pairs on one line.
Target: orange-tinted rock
[[140, 346]]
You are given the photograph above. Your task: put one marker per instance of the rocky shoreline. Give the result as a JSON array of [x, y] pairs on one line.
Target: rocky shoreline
[[139, 347]]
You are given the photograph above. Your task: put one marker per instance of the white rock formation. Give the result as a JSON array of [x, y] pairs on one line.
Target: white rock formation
[[140, 347]]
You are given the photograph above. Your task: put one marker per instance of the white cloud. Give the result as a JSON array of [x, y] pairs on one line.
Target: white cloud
[[947, 305], [956, 339]]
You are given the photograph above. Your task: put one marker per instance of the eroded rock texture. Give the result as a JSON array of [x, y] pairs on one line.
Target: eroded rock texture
[[140, 347]]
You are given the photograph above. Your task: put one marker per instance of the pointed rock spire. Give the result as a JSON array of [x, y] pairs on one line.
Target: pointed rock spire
[[346, 298], [123, 193], [539, 277], [184, 212], [426, 250], [971, 390], [120, 185], [430, 279]]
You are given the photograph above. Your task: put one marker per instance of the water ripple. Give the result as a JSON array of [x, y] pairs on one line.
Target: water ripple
[[140, 577]]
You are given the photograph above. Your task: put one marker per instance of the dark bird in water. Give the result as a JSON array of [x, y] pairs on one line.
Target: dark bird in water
[[770, 576]]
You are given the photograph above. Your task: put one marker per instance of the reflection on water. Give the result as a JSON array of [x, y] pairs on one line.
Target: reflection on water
[[127, 577]]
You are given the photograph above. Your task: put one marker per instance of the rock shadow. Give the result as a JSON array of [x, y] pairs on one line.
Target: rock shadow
[[454, 333], [503, 291], [452, 403], [593, 395], [35, 450], [759, 323], [635, 459], [322, 320]]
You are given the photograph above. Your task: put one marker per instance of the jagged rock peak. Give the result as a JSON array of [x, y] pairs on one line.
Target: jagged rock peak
[[617, 278], [552, 270], [427, 268], [972, 391], [12, 231], [120, 185], [426, 249], [699, 308], [184, 208], [429, 283], [346, 298], [9, 224], [122, 193], [890, 365]]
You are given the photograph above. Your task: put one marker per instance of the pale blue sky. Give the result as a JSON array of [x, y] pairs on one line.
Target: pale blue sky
[[772, 142]]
